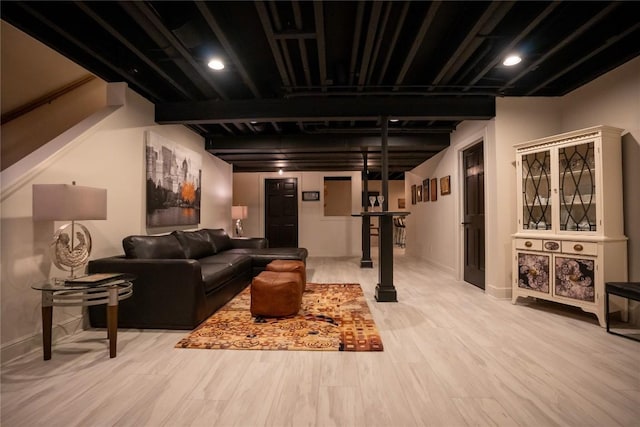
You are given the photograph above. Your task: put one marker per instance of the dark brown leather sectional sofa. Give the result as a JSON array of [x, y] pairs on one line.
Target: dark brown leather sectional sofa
[[184, 277]]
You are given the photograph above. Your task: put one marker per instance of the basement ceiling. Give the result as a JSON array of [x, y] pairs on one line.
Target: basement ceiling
[[307, 85]]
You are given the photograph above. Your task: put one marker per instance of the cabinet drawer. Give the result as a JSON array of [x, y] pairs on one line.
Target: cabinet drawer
[[580, 248], [551, 245], [529, 244]]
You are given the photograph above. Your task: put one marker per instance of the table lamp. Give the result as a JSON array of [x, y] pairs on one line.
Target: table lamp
[[71, 245], [239, 213]]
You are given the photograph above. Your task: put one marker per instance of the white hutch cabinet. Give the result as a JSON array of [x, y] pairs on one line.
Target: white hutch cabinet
[[570, 237]]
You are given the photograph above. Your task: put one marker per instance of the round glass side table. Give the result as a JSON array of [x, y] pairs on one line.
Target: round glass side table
[[84, 291]]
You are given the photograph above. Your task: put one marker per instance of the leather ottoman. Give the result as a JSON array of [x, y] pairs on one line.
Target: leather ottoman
[[276, 294], [289, 265]]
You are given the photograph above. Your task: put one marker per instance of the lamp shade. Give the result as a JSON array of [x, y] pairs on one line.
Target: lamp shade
[[64, 202], [239, 212]]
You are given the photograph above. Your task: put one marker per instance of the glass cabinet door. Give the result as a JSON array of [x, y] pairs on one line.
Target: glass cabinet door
[[576, 166], [536, 191]]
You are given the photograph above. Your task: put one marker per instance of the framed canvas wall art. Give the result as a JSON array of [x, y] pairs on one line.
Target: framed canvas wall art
[[445, 185], [425, 190], [174, 175], [434, 189]]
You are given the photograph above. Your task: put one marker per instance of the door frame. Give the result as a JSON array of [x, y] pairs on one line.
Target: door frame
[[476, 138]]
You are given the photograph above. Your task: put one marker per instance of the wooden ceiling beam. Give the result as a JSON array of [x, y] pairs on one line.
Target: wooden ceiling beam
[[299, 109], [310, 144]]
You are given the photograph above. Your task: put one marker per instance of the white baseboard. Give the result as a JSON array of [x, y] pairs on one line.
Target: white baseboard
[[498, 292], [28, 344]]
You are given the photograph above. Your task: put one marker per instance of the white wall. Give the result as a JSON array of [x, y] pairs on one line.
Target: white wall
[[423, 236], [108, 155], [613, 99], [517, 120], [322, 236], [396, 191]]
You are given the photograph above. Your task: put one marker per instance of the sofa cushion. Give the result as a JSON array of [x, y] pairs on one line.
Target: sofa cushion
[[153, 247], [196, 244], [216, 275], [218, 269], [220, 238], [227, 258]]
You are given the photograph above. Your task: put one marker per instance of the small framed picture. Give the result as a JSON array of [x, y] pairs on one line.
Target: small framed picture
[[418, 193], [434, 189], [310, 196], [413, 194], [401, 203], [425, 190], [445, 185]]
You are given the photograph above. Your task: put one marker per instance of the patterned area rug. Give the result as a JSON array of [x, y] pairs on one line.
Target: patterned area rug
[[334, 317]]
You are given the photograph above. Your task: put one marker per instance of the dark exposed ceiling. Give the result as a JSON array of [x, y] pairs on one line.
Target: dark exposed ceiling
[[307, 84]]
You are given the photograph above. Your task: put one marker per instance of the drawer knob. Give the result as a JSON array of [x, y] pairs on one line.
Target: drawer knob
[[577, 247], [528, 244]]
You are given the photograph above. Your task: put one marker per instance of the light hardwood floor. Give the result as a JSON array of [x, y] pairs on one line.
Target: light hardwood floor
[[452, 357]]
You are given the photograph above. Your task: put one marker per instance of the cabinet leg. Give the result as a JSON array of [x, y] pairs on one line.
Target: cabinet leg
[[47, 320], [606, 309]]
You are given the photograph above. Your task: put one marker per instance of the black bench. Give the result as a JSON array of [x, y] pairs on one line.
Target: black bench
[[629, 290]]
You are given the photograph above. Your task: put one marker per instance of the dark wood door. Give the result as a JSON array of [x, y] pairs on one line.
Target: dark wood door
[[281, 212], [474, 246]]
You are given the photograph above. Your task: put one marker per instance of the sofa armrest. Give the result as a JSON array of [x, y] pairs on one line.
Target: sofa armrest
[[167, 292], [249, 243]]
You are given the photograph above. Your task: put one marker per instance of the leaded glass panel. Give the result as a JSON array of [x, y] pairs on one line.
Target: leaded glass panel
[[536, 191], [577, 187]]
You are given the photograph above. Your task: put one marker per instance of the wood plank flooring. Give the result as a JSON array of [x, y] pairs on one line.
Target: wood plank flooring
[[452, 357]]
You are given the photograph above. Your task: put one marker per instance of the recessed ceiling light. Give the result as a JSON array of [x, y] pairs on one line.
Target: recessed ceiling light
[[511, 60], [216, 64], [393, 120], [253, 122], [280, 172]]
